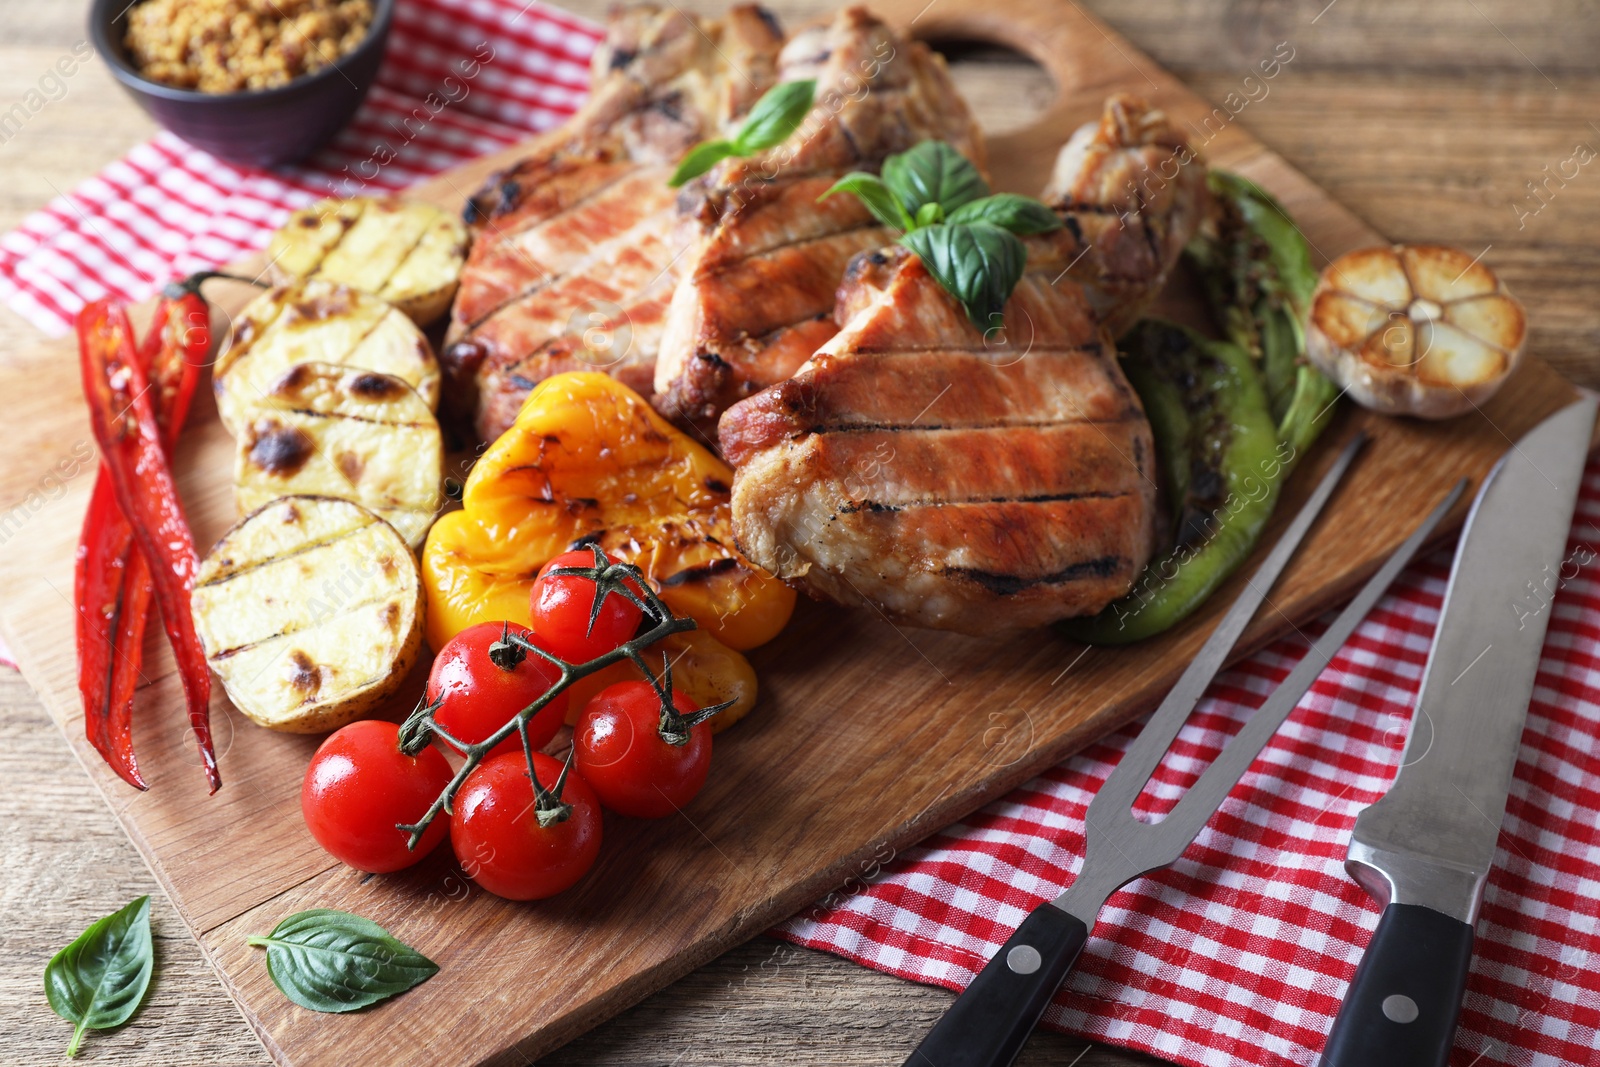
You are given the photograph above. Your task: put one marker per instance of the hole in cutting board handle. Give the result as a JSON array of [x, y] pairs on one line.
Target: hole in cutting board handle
[[1008, 90]]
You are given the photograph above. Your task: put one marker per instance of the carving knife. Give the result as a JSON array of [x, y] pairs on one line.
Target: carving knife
[[1424, 850], [990, 1022]]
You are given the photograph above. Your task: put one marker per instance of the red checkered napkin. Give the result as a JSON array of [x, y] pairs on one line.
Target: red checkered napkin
[[166, 208], [1240, 952]]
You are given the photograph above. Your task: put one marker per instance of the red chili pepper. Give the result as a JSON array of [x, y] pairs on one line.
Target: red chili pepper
[[115, 578]]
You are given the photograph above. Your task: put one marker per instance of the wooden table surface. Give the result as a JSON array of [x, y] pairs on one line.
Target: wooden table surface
[[1470, 122]]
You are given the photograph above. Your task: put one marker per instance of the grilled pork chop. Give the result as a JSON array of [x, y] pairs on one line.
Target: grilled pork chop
[[573, 261], [757, 295], [951, 483], [1130, 192]]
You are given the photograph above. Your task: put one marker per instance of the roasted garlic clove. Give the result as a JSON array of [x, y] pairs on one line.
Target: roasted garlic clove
[[1419, 330]]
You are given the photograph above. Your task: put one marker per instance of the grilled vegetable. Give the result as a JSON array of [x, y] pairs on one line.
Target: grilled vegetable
[[1415, 330], [1256, 269], [122, 416], [333, 431], [407, 253], [310, 612], [113, 586], [317, 322], [588, 461], [704, 669], [1223, 464]]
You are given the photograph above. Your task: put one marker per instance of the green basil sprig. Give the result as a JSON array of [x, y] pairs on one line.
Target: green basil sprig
[[965, 236], [332, 961], [778, 113], [99, 980]]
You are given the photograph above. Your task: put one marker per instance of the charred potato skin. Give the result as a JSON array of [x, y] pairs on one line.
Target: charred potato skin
[[319, 712], [334, 324], [421, 283]]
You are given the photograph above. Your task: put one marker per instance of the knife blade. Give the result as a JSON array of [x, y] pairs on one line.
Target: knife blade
[[1424, 850]]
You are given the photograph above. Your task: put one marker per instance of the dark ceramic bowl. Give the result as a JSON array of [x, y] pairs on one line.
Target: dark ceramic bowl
[[256, 127]]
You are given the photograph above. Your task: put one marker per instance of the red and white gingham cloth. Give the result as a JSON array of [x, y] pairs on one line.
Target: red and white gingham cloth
[[1240, 952]]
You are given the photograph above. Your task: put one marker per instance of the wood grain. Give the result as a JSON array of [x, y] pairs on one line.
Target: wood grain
[[1335, 131]]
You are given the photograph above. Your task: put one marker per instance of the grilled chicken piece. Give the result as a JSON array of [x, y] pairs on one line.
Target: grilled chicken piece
[[573, 262], [951, 483], [1130, 192], [758, 291]]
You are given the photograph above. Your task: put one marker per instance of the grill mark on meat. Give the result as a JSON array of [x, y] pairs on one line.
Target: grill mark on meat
[[547, 279], [772, 250], [1012, 584], [865, 427], [1049, 498]]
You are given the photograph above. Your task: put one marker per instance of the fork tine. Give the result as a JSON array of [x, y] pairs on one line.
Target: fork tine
[[1141, 759]]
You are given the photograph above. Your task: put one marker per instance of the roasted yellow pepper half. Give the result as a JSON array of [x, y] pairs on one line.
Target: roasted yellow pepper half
[[588, 461]]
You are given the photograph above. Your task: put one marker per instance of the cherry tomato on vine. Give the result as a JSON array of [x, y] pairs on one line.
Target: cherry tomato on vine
[[623, 752], [563, 605], [485, 681], [360, 785], [520, 846]]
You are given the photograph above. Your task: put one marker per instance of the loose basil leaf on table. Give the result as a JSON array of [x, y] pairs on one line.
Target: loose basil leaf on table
[[778, 113], [877, 197], [1009, 211], [332, 961], [99, 980], [979, 264], [933, 172]]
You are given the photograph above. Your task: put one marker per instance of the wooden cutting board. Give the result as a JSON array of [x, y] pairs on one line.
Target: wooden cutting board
[[868, 737]]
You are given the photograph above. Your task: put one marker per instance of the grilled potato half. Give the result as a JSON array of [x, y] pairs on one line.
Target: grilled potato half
[[318, 322], [310, 611], [323, 430], [402, 251]]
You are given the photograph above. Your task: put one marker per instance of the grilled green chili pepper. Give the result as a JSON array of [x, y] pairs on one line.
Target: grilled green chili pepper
[[1256, 269], [1231, 417], [1223, 464]]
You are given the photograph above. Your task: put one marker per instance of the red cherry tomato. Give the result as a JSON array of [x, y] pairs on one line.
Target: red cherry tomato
[[497, 836], [621, 754], [480, 696], [563, 603], [360, 785]]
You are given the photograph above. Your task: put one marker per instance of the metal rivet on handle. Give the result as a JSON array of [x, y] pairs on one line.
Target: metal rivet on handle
[[1024, 959], [1399, 1008]]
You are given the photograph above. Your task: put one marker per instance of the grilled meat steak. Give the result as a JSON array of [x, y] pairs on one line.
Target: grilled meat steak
[[951, 482], [1130, 193], [757, 295], [573, 262]]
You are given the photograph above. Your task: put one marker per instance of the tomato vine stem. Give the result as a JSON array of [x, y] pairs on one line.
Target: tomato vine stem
[[621, 578]]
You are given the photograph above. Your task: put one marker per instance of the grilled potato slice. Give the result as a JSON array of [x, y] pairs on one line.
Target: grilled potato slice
[[318, 322], [403, 251], [323, 430], [1415, 329], [310, 611]]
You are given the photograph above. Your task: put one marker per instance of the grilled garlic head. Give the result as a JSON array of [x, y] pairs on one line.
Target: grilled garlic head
[[1414, 329]]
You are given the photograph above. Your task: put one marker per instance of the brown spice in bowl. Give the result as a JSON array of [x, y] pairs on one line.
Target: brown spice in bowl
[[224, 46]]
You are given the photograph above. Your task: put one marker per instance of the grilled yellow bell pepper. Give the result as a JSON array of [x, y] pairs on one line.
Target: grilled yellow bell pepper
[[588, 461]]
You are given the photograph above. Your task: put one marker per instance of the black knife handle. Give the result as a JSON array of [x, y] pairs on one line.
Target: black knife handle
[[990, 1022], [1401, 1008]]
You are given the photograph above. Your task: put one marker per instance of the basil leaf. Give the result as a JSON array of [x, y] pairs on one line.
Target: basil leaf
[[977, 263], [933, 173], [929, 215], [878, 198], [332, 961], [775, 116], [701, 158], [1019, 214], [99, 980]]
